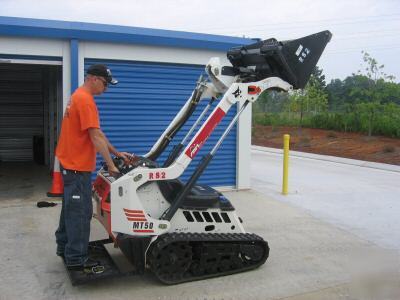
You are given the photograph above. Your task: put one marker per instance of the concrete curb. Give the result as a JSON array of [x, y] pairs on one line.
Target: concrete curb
[[341, 160]]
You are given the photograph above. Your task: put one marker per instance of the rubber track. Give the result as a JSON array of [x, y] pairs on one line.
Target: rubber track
[[236, 238]]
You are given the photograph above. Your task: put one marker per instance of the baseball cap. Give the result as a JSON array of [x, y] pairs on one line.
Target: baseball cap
[[102, 71]]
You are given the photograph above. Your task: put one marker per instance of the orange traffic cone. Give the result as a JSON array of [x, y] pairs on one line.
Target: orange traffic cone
[[57, 187]]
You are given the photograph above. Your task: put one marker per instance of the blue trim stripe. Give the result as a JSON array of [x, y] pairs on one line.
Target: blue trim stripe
[[11, 26], [30, 57], [74, 48]]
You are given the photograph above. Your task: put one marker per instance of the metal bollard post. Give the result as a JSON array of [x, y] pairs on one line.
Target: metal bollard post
[[286, 139]]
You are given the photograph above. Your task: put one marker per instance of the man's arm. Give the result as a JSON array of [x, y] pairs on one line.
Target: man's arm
[[109, 146], [101, 144], [125, 155]]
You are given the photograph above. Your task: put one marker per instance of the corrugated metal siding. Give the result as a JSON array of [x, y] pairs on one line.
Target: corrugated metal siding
[[135, 112], [21, 111]]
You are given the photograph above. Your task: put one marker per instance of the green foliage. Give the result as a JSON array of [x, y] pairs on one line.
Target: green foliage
[[271, 102], [368, 102], [312, 100], [373, 119]]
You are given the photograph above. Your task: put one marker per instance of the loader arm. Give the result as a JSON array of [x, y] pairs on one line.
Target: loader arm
[[236, 92], [202, 90]]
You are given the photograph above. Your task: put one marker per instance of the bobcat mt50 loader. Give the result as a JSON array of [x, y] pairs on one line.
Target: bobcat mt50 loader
[[183, 231]]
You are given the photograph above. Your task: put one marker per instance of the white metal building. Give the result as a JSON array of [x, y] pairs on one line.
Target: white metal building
[[42, 61]]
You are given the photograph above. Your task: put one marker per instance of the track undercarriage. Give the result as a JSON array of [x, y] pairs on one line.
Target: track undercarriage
[[180, 257]]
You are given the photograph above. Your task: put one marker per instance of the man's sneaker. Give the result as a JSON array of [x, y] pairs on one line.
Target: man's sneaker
[[90, 266]]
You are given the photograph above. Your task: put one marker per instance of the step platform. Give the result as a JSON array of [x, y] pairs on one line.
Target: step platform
[[97, 251]]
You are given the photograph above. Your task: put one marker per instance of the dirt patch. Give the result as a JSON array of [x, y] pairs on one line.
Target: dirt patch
[[327, 142]]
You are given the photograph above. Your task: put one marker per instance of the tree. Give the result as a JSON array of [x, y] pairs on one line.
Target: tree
[[270, 101], [317, 78], [373, 70], [369, 113], [312, 99], [389, 92], [348, 116], [295, 104], [336, 95], [370, 84]]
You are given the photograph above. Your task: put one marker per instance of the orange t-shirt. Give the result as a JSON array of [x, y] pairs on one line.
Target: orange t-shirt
[[75, 149]]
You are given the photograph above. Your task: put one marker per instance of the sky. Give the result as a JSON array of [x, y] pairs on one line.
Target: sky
[[372, 26]]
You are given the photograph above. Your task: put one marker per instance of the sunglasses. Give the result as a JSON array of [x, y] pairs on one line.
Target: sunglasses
[[105, 83]]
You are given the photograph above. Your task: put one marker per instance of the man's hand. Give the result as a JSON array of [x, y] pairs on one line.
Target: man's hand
[[113, 171], [126, 156]]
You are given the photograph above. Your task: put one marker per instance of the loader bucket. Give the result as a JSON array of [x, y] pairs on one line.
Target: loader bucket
[[292, 60]]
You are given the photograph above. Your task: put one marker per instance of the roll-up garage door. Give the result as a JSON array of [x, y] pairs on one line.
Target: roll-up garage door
[[30, 105], [134, 113]]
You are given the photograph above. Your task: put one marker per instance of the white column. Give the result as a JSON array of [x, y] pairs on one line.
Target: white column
[[66, 73], [243, 148]]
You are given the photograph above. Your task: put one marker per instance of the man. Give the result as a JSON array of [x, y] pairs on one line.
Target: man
[[79, 140]]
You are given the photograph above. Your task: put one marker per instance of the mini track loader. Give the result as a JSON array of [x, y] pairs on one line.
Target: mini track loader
[[184, 231]]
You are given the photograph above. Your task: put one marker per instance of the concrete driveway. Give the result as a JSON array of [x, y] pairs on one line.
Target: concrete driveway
[[311, 257], [357, 196]]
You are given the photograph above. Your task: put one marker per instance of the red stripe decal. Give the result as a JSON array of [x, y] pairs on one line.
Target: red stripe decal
[[133, 211], [136, 219], [135, 215], [205, 133], [143, 230]]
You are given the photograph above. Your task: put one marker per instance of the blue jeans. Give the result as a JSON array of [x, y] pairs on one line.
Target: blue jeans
[[72, 235]]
